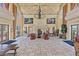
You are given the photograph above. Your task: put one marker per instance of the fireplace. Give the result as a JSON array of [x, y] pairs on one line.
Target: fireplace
[[39, 31]]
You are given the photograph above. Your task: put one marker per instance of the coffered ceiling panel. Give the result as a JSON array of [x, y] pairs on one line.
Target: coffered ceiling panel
[[46, 8]]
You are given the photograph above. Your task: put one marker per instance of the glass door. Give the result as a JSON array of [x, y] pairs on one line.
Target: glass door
[[17, 31], [4, 32], [78, 30], [74, 32], [0, 34], [25, 30]]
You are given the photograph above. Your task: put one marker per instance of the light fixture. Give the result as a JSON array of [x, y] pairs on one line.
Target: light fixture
[[39, 12]]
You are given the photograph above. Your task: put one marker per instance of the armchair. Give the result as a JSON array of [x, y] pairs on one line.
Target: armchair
[[45, 36], [32, 36]]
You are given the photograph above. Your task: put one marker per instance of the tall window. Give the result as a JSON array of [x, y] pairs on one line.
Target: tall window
[[17, 30], [7, 6], [77, 4], [0, 33], [4, 5], [1, 5], [74, 5], [4, 32]]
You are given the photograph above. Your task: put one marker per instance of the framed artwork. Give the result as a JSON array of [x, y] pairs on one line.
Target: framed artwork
[[50, 20], [28, 21]]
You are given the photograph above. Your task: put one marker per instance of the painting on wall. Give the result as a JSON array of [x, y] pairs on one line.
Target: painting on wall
[[50, 20], [28, 21]]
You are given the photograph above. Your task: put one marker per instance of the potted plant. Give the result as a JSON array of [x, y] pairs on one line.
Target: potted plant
[[64, 30]]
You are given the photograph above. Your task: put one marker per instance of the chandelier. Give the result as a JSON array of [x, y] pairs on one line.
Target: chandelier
[[39, 14]]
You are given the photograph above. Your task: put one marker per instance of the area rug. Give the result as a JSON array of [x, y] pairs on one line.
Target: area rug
[[69, 42]]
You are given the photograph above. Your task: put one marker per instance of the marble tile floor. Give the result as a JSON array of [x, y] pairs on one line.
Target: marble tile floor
[[40, 47]]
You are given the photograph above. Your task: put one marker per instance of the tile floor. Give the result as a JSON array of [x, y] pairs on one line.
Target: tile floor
[[40, 47]]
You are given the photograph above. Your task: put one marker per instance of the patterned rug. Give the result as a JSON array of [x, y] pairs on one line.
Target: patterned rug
[[40, 47]]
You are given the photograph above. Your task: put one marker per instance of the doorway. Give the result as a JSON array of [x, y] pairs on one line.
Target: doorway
[[74, 31], [39, 31]]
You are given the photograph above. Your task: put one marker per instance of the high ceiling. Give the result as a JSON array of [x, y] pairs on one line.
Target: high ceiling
[[46, 8]]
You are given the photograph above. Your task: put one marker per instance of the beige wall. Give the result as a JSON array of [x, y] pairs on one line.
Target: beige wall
[[59, 20], [40, 23]]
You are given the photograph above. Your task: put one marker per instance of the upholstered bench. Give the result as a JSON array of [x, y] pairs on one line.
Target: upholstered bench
[[14, 47], [11, 45], [3, 49]]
